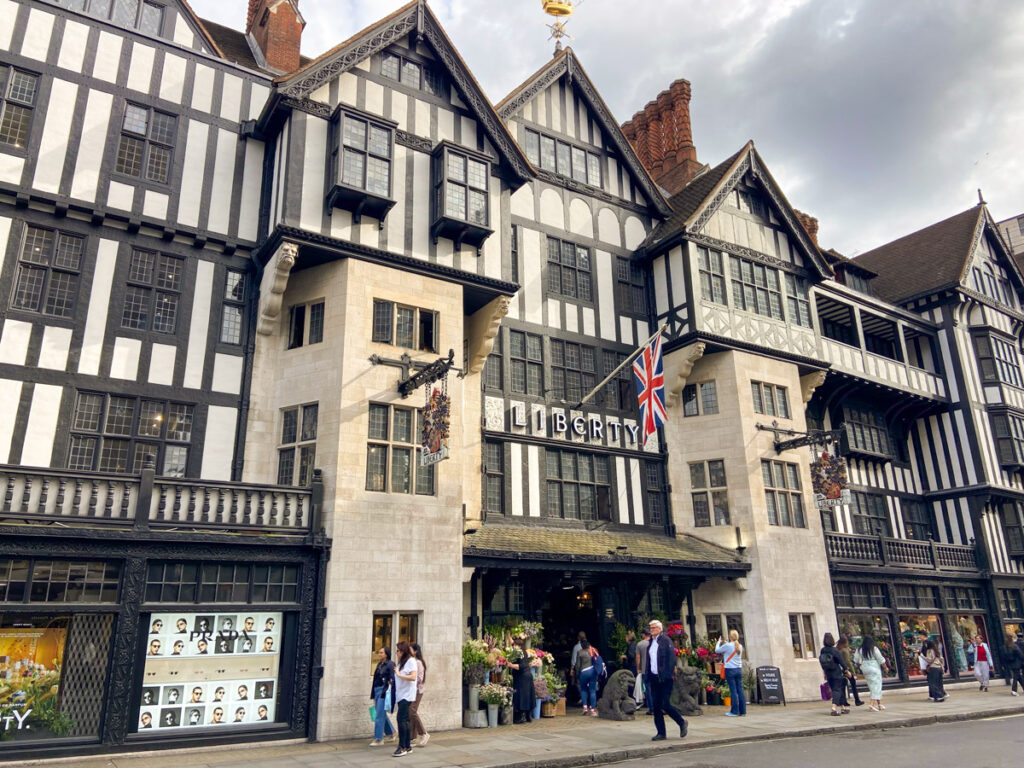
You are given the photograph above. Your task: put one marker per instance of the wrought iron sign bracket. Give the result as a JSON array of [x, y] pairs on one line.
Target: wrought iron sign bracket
[[415, 374], [801, 439]]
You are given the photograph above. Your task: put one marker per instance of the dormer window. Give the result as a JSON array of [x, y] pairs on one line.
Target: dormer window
[[362, 148], [461, 206]]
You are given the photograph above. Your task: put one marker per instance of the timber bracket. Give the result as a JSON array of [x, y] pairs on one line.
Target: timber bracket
[[416, 375], [800, 439]]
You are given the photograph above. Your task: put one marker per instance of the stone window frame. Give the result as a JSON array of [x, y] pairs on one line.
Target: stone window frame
[[305, 324], [770, 399], [385, 440], [389, 317], [710, 499], [296, 448], [802, 635], [783, 496], [704, 405]]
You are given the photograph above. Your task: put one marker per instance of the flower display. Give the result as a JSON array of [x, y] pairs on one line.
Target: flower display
[[495, 693]]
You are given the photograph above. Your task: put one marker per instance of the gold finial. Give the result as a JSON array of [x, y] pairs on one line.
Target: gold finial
[[560, 10]]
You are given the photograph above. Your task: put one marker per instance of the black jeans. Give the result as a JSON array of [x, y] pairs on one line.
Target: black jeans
[[1018, 677], [404, 731], [851, 686], [935, 689], [661, 692], [838, 686]]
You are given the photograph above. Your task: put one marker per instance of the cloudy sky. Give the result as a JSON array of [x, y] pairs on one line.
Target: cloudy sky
[[878, 117]]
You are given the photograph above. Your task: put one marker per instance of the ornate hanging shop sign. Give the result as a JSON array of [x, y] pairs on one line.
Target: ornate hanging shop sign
[[829, 480], [436, 425]]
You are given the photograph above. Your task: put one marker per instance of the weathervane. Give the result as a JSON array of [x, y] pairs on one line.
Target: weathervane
[[560, 10]]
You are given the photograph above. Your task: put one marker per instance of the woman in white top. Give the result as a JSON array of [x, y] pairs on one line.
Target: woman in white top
[[732, 656], [405, 693], [872, 665]]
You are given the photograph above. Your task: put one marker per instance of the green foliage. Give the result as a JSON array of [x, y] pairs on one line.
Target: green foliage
[[749, 677], [617, 642]]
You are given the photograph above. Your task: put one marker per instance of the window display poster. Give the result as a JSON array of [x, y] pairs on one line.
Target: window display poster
[[209, 669], [31, 657]]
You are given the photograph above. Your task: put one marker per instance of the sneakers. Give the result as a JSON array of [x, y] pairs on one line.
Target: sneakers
[[400, 752], [731, 714], [586, 710], [422, 741], [392, 738], [593, 712], [1014, 693], [376, 743]]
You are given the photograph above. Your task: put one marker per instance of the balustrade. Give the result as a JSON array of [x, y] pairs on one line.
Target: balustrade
[[904, 553]]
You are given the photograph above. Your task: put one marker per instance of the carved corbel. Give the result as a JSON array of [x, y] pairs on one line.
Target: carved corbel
[[678, 367], [811, 382], [275, 280], [482, 329]]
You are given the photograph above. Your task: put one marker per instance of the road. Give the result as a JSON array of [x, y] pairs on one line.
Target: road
[[977, 744]]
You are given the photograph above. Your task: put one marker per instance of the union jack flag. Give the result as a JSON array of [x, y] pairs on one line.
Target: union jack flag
[[649, 375]]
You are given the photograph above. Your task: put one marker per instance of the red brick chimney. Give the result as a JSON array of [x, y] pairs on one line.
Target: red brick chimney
[[663, 140], [809, 223], [276, 27]]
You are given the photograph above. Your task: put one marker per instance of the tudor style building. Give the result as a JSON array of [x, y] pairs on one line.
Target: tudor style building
[[225, 268]]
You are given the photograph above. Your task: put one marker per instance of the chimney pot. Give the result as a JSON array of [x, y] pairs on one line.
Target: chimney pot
[[276, 27], [663, 138]]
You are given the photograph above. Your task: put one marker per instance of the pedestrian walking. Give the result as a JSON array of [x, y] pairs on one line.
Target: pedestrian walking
[[419, 733], [659, 678], [849, 670], [1014, 658], [732, 655], [572, 658], [382, 694], [586, 677], [832, 665], [405, 693], [872, 666], [641, 693], [982, 662], [935, 665], [523, 694]]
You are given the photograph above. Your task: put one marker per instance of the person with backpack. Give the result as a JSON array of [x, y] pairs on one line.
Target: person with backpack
[[586, 673], [1014, 662], [832, 665], [732, 658]]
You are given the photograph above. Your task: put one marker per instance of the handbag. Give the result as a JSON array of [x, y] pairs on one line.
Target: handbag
[[826, 692], [387, 701], [373, 713]]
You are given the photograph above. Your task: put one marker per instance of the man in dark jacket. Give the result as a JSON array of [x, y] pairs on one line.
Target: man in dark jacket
[[659, 677], [1013, 659]]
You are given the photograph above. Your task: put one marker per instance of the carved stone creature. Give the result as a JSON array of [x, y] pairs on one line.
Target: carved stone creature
[[616, 703], [686, 689]]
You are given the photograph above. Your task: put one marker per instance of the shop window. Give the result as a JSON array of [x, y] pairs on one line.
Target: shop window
[[998, 360], [362, 147], [494, 477], [460, 201], [857, 626], [195, 582], [700, 399], [526, 362], [391, 628], [233, 308], [428, 78], [735, 621], [770, 400], [407, 327], [48, 272], [782, 496], [866, 432], [712, 275], [798, 302], [296, 453], [709, 493], [569, 270], [870, 514], [619, 392], [629, 282], [801, 631], [713, 626], [306, 324], [146, 146], [1010, 603], [153, 293], [494, 366], [17, 100], [918, 520], [1012, 515], [393, 453], [914, 630], [572, 370], [111, 433], [58, 581], [578, 485], [564, 159], [755, 288], [655, 489]]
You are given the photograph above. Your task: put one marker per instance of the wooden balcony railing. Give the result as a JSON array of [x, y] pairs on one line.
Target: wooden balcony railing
[[53, 496], [901, 553]]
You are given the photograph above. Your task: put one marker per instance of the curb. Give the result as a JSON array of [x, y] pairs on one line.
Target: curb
[[608, 756]]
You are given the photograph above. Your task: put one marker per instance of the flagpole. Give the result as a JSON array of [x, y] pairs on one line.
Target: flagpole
[[621, 365]]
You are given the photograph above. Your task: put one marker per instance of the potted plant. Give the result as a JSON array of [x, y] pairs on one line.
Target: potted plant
[[554, 704], [494, 695], [474, 667], [541, 693]]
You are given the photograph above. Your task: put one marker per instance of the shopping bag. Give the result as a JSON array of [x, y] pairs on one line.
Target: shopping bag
[[387, 701], [826, 692], [373, 713], [638, 689]]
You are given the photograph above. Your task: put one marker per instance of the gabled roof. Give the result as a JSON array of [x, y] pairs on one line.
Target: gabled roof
[[928, 260], [413, 18], [697, 202], [835, 258], [200, 26], [565, 63]]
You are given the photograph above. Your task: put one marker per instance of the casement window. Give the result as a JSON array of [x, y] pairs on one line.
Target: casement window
[[392, 627], [509, 598], [17, 100], [755, 288], [910, 596], [749, 202], [870, 515], [654, 485], [856, 282], [853, 594], [709, 493], [564, 159], [770, 400], [569, 270], [112, 433], [153, 293], [984, 282], [798, 303], [712, 275], [494, 368], [206, 582], [362, 148], [998, 360], [48, 272], [132, 14], [494, 477], [393, 453], [801, 630], [526, 362], [782, 496], [1012, 516], [630, 284], [296, 453], [1008, 429], [233, 307], [700, 399], [1010, 603], [918, 520], [460, 202], [619, 392], [413, 74], [42, 580], [867, 432], [713, 626], [573, 370], [407, 327], [578, 485], [305, 324], [146, 146]]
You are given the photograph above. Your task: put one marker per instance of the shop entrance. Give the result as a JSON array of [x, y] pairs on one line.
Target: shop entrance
[[567, 611]]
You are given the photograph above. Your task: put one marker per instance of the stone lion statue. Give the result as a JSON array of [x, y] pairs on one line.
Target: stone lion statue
[[685, 690], [616, 703]]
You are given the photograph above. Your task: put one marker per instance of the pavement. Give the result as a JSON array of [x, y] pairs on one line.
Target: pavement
[[575, 740]]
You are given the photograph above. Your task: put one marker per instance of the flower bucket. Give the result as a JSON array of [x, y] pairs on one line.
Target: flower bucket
[[727, 701], [538, 705], [492, 715], [474, 698]]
